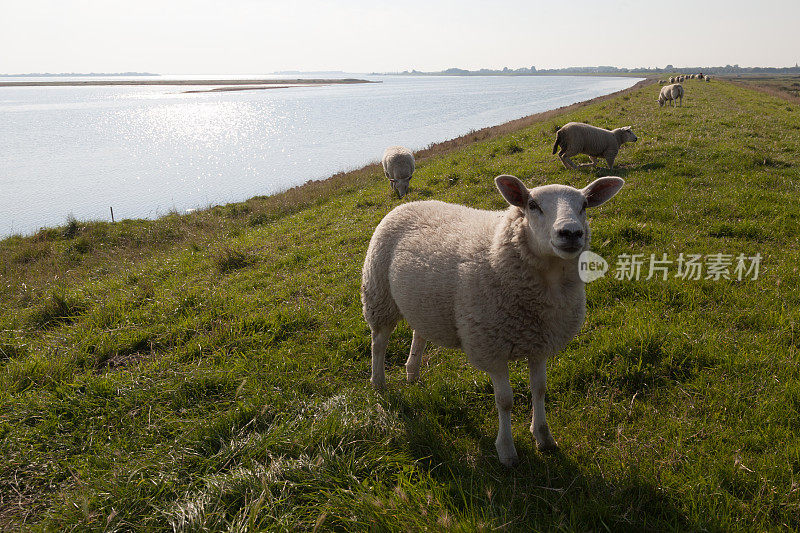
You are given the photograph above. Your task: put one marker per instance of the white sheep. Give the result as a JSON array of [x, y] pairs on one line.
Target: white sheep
[[578, 138], [398, 166], [672, 79], [670, 93], [500, 285]]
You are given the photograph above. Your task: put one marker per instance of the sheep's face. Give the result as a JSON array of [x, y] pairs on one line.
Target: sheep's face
[[556, 214], [400, 186], [628, 135]]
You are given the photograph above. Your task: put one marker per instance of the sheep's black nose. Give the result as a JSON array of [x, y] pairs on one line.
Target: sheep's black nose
[[570, 235]]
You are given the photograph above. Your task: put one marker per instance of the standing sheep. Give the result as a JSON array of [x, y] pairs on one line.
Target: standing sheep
[[578, 138], [398, 166], [670, 93], [500, 285], [672, 79]]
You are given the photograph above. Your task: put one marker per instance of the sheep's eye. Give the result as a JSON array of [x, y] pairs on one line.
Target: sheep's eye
[[533, 206]]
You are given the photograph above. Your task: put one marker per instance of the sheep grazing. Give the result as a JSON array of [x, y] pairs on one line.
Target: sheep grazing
[[499, 285], [398, 166], [670, 93], [578, 138]]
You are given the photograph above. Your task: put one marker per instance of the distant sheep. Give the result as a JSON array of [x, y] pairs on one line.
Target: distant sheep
[[578, 138], [670, 93], [708, 78], [672, 79], [500, 285], [398, 166]]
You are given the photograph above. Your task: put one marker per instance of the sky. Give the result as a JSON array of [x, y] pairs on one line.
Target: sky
[[258, 36]]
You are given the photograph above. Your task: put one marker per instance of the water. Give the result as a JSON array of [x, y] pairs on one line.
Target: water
[[152, 149]]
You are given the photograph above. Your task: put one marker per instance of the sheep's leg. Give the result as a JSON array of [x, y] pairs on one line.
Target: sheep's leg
[[567, 162], [415, 357], [504, 399], [610, 160], [380, 339], [539, 427]]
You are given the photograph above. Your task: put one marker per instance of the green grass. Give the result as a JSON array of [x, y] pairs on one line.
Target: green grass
[[210, 371]]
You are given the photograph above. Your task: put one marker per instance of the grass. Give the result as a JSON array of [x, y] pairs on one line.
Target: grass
[[787, 87], [210, 371]]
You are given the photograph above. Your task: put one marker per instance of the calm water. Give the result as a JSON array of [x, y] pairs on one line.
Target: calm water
[[148, 150]]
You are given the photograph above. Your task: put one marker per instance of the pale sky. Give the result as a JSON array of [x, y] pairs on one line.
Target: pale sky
[[259, 37]]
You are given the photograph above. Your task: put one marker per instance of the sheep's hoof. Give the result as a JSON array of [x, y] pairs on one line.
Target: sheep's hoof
[[550, 447], [379, 384], [509, 461], [507, 454], [412, 378], [544, 439]]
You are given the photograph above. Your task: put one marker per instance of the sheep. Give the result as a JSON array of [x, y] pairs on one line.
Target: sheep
[[708, 78], [672, 79], [499, 285], [578, 138], [398, 166], [670, 93]]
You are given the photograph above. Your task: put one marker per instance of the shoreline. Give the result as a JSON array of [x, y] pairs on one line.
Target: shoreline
[[315, 188], [93, 83], [228, 89]]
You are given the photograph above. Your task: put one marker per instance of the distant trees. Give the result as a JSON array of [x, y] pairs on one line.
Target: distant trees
[[607, 69]]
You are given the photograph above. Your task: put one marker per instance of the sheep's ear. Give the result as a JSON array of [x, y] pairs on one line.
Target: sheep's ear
[[513, 190], [601, 190]]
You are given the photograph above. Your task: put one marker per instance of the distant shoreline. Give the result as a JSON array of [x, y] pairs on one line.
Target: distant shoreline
[[247, 88], [81, 83]]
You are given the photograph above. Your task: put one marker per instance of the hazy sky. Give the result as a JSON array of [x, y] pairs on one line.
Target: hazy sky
[[256, 36]]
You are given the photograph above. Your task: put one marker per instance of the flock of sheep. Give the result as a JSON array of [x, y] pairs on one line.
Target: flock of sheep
[[499, 285], [674, 91]]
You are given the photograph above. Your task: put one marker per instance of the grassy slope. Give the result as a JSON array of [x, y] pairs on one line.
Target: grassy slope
[[211, 370]]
